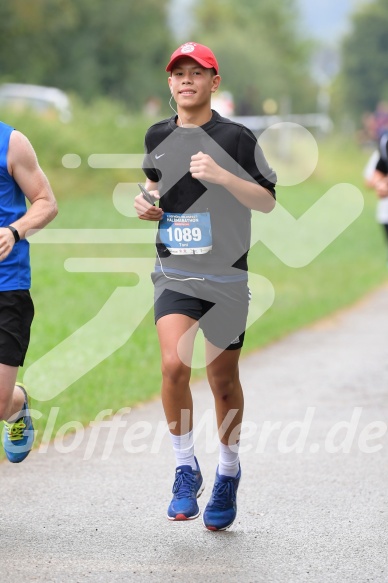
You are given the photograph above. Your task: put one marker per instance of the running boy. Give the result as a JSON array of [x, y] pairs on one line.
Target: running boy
[[207, 173]]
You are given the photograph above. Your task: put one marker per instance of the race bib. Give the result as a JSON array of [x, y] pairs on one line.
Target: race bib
[[186, 234]]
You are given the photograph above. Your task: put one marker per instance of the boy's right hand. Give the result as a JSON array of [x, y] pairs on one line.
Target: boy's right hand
[[145, 210]]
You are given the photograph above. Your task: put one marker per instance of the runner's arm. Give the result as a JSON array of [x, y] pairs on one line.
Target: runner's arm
[[24, 167], [250, 194]]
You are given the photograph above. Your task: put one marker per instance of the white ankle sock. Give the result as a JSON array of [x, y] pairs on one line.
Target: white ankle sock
[[228, 461], [183, 446]]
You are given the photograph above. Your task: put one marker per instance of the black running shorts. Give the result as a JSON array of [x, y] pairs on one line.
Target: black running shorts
[[220, 308], [16, 315]]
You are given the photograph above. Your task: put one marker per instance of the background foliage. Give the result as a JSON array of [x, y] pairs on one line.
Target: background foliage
[[96, 49], [120, 49], [364, 75], [92, 47], [260, 52]]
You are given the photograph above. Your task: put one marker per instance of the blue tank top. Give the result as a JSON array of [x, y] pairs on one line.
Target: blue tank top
[[15, 272]]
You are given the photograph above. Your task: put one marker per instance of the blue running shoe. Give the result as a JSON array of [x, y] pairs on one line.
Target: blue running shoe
[[19, 436], [221, 509], [188, 486]]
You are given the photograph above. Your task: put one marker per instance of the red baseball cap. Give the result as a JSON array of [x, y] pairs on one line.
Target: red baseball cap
[[203, 55]]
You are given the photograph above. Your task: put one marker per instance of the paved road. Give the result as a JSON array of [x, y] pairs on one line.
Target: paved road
[[318, 514]]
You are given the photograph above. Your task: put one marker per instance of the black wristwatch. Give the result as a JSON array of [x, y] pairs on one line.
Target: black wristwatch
[[14, 232]]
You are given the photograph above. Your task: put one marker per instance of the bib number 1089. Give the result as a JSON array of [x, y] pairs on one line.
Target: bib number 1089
[[186, 234]]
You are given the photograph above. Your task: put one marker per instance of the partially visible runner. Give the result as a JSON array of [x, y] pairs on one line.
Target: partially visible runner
[[20, 177], [207, 173], [376, 177]]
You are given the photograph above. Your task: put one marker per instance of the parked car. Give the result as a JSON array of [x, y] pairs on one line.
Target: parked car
[[37, 97]]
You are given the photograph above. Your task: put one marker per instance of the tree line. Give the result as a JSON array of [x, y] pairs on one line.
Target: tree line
[[119, 49], [91, 47], [363, 80]]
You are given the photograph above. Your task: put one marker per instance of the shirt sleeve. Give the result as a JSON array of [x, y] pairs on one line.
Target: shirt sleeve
[[148, 165], [251, 158]]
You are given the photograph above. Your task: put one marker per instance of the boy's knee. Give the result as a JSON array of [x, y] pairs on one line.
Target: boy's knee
[[175, 371], [222, 386]]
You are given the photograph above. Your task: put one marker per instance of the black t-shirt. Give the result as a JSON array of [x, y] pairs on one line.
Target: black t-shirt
[[169, 149]]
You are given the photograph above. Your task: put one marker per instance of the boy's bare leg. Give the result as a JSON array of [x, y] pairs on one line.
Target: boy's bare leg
[[224, 380], [178, 408], [176, 393], [223, 375]]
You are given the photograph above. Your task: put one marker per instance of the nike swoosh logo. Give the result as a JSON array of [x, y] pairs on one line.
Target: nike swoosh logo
[[160, 155]]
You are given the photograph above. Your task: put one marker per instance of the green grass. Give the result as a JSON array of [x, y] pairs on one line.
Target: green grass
[[346, 270]]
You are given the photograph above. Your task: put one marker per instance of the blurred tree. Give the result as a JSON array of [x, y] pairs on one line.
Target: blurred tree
[[89, 46], [28, 50], [364, 78], [260, 52]]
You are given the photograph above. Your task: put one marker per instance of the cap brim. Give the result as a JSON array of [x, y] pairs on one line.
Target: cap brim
[[201, 62]]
